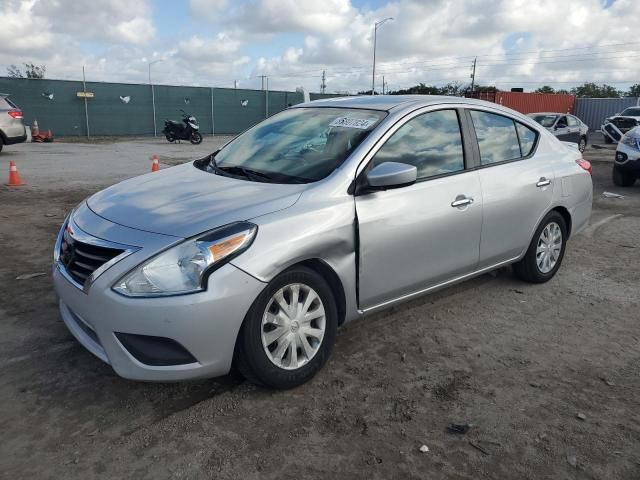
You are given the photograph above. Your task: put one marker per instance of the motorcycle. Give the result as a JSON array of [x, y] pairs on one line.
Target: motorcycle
[[187, 130]]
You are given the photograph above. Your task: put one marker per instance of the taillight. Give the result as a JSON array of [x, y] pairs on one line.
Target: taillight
[[17, 114], [586, 165]]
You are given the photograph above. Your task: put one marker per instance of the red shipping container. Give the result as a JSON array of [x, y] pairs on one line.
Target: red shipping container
[[537, 102]]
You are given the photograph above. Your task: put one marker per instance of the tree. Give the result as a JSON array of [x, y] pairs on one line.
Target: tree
[[592, 90], [545, 89], [14, 72], [634, 91], [31, 70], [34, 71]]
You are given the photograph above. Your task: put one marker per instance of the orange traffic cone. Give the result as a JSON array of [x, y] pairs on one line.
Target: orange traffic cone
[[14, 176], [155, 165]]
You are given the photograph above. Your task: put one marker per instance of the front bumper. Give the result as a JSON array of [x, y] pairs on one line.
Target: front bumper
[[204, 324], [627, 158]]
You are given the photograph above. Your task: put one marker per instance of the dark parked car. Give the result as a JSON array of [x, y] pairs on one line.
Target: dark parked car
[[625, 121], [567, 128]]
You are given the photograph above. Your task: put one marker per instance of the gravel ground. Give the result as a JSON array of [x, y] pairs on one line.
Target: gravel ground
[[547, 374]]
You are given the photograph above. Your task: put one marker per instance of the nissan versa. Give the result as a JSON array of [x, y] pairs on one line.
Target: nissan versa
[[321, 214]]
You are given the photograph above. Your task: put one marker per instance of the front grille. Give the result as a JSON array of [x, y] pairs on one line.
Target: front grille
[[80, 260], [625, 123]]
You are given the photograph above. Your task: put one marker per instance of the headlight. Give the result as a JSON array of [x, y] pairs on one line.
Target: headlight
[[185, 267], [631, 141]]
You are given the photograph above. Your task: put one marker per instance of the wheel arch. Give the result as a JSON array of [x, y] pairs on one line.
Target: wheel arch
[[566, 216], [333, 280]]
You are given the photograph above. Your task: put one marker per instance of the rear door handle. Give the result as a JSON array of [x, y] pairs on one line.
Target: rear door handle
[[543, 182], [461, 201]]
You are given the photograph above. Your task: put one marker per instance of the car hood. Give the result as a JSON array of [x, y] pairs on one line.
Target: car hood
[[184, 201], [624, 116]]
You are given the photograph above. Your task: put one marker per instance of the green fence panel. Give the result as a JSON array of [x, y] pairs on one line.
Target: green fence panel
[[127, 109]]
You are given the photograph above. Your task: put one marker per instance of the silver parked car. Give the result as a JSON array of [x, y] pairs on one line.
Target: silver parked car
[[567, 128], [321, 214], [11, 127]]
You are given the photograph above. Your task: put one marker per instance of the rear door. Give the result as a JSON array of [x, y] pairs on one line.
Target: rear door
[[561, 129], [517, 185], [574, 129], [420, 235]]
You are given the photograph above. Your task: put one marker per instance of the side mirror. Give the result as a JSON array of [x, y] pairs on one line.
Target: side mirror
[[391, 175], [617, 114]]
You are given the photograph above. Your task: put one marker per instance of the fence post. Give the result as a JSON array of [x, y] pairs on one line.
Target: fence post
[[213, 128]]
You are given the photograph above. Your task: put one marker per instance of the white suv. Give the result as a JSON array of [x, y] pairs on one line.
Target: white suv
[[11, 127]]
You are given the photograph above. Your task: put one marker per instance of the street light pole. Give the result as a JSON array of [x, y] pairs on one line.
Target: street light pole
[[375, 34], [153, 99]]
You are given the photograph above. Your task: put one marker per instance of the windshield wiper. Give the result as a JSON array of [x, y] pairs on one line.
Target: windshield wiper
[[247, 173]]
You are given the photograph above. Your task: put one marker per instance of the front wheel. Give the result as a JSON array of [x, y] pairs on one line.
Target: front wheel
[[621, 178], [545, 252], [607, 140], [196, 138], [289, 331], [170, 138], [582, 144]]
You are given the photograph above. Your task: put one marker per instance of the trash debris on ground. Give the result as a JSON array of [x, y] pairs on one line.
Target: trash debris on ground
[[27, 276], [49, 214], [459, 428], [479, 447], [612, 195], [581, 416], [424, 449], [607, 382], [572, 459]]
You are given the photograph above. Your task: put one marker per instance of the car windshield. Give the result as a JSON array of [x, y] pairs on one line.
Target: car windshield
[[632, 112], [299, 145], [545, 120]]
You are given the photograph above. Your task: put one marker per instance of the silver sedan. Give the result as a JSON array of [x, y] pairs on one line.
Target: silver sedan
[[321, 214]]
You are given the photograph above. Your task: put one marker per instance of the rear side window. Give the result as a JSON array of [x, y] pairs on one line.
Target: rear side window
[[431, 141], [497, 137], [527, 138], [573, 122], [5, 103]]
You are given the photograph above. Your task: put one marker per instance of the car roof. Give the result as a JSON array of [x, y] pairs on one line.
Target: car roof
[[547, 113], [390, 102]]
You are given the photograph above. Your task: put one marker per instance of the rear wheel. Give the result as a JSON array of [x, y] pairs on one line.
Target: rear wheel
[[196, 138], [170, 138], [622, 178], [289, 331], [546, 250], [1, 144]]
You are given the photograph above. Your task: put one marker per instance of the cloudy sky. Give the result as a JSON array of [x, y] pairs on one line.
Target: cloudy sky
[[523, 43]]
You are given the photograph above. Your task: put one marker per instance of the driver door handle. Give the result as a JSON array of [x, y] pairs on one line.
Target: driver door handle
[[461, 201], [543, 182]]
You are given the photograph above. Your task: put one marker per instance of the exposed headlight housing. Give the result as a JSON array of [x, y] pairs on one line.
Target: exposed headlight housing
[[631, 139], [185, 267]]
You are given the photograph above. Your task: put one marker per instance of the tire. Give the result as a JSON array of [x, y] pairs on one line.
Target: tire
[[607, 140], [582, 144], [621, 178], [196, 138], [1, 144], [528, 269], [257, 359], [170, 138]]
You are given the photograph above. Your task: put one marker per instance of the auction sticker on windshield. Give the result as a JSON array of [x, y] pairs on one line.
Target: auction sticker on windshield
[[347, 122]]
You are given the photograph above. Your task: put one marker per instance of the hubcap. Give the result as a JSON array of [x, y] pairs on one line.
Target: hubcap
[[549, 247], [293, 326]]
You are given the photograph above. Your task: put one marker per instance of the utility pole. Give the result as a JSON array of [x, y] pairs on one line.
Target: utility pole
[[153, 98], [375, 35], [235, 84], [323, 85], [473, 74], [86, 108], [383, 84], [262, 78]]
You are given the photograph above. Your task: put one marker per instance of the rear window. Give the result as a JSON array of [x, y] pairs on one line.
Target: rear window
[[6, 103]]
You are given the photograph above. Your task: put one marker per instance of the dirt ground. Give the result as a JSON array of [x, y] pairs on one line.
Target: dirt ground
[[517, 361]]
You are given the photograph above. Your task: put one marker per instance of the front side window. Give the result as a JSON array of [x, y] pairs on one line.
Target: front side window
[[497, 137], [562, 122], [432, 142], [299, 145]]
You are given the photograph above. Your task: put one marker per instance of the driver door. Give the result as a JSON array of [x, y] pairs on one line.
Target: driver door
[[417, 236], [561, 129]]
